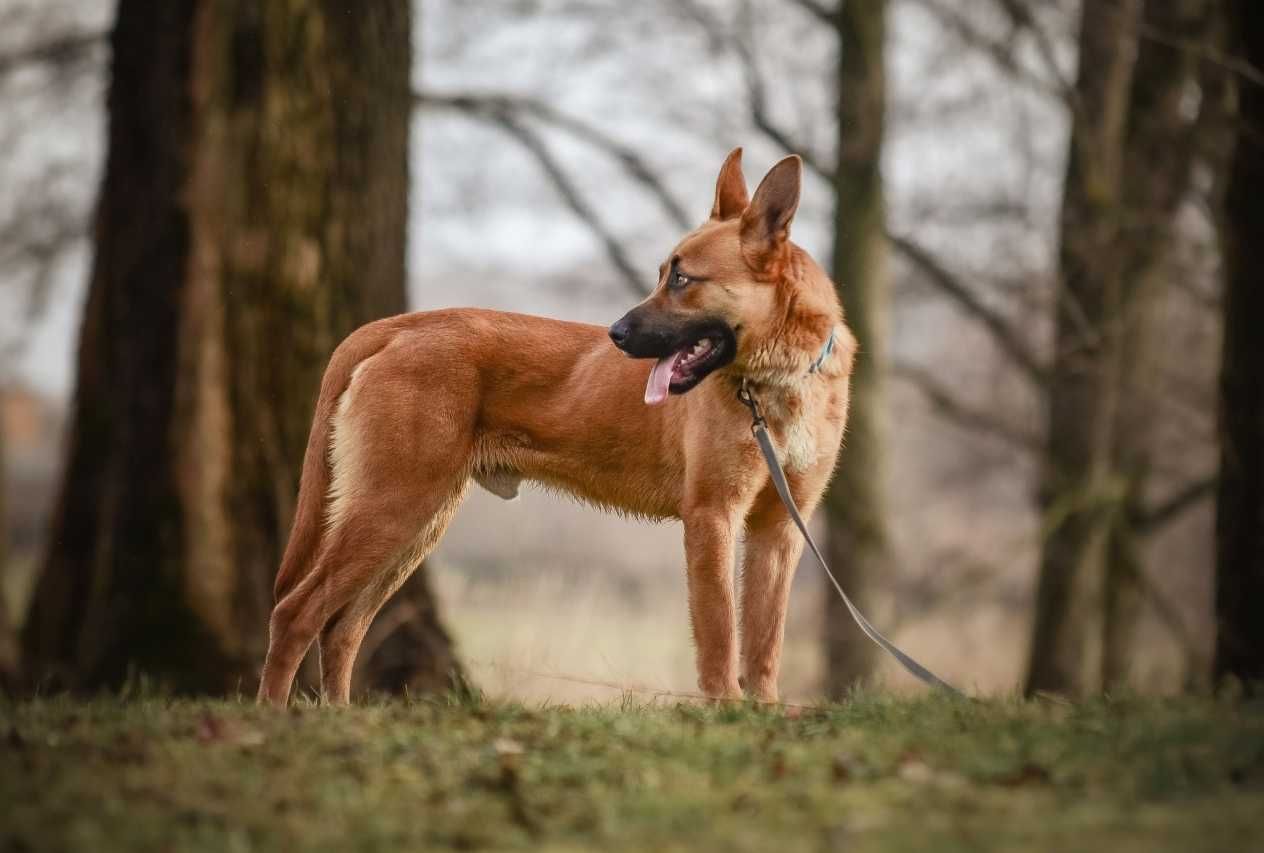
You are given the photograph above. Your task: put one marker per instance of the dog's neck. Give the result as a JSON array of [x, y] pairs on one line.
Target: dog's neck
[[782, 376], [807, 343], [805, 348]]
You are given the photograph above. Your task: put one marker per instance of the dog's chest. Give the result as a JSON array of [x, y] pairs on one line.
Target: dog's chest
[[800, 451], [798, 446]]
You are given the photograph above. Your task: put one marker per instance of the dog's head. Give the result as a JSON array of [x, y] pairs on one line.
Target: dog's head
[[717, 284]]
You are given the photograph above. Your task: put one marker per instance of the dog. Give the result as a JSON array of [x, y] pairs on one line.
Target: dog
[[642, 417]]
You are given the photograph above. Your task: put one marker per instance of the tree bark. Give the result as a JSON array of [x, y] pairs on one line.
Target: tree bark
[[858, 544], [1240, 501], [1161, 147], [1079, 495], [252, 214], [8, 637]]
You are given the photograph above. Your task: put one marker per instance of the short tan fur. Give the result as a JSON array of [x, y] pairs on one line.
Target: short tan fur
[[412, 408]]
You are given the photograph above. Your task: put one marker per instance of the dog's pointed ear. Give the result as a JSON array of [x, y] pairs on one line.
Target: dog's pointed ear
[[730, 189], [766, 222]]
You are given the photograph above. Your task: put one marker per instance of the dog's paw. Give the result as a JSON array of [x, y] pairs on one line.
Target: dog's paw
[[722, 692]]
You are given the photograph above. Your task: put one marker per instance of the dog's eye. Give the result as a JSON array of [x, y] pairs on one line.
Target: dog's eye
[[679, 280]]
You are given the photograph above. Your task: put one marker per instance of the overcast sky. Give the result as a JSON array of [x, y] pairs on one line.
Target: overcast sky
[[488, 229]]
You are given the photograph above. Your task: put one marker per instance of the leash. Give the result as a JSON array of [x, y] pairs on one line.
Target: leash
[[759, 427], [826, 351]]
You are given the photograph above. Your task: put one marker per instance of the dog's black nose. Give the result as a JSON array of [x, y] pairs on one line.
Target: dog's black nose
[[619, 331]]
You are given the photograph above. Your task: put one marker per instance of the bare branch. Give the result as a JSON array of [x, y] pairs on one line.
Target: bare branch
[[1020, 15], [1002, 333], [948, 283], [575, 201], [499, 113], [1175, 504], [756, 90], [62, 50], [1001, 52], [762, 119], [764, 123], [973, 418], [1206, 51], [632, 164], [819, 10]]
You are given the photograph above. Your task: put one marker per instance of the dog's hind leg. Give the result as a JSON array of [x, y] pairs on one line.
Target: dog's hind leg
[[342, 636], [352, 556], [395, 466], [363, 561]]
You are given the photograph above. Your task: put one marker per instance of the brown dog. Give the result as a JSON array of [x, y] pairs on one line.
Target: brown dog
[[413, 407]]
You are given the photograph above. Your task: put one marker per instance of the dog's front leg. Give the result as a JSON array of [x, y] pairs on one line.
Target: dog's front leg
[[709, 542], [773, 546]]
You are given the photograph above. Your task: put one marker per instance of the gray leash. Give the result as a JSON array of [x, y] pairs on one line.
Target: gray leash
[[760, 428]]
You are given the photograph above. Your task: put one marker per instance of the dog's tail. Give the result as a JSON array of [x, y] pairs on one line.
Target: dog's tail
[[313, 490]]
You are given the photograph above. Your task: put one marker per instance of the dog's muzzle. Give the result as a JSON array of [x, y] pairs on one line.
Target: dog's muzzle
[[686, 349]]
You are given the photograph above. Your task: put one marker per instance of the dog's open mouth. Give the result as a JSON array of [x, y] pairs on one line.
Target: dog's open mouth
[[685, 349], [685, 368]]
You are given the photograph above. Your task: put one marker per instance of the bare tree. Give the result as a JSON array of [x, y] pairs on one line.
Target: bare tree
[[1161, 146], [247, 221], [1078, 492], [1133, 144], [1240, 500], [859, 547]]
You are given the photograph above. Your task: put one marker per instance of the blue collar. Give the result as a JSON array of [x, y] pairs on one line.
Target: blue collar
[[825, 352]]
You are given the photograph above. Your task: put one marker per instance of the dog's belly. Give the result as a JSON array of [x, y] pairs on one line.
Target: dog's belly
[[559, 405], [621, 479]]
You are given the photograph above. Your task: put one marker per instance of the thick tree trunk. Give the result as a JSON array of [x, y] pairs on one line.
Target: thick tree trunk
[[1240, 502], [1079, 495], [8, 650], [1160, 150], [252, 214], [858, 545], [8, 637], [407, 649]]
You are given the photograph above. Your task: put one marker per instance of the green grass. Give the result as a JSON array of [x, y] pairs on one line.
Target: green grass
[[876, 773]]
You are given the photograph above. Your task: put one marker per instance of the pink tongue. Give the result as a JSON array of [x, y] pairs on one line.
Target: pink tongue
[[660, 380]]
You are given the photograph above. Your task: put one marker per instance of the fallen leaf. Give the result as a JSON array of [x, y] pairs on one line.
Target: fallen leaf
[[1029, 774]]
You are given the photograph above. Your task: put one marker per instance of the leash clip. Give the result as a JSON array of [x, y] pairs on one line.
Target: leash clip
[[748, 400]]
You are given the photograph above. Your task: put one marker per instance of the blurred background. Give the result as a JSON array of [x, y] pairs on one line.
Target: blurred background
[[1023, 205]]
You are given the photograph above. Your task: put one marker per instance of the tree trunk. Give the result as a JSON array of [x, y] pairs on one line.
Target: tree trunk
[[407, 650], [1240, 501], [252, 214], [858, 545], [8, 638], [1078, 493], [1160, 150]]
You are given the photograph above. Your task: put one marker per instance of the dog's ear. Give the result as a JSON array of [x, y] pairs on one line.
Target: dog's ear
[[730, 189], [766, 223]]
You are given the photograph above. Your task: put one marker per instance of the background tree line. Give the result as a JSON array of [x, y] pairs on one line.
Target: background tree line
[[253, 211]]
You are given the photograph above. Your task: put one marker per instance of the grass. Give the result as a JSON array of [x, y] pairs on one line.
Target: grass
[[876, 773]]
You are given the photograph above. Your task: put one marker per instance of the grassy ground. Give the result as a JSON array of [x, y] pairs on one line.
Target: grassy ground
[[876, 773]]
